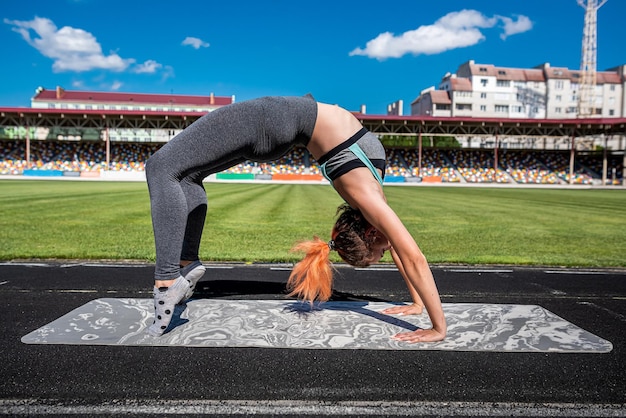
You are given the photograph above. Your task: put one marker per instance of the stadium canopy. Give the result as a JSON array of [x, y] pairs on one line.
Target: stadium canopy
[[379, 124]]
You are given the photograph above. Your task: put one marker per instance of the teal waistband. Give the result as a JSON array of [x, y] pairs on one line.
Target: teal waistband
[[358, 152]]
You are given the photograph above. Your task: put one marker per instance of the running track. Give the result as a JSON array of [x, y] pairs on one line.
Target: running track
[[59, 380]]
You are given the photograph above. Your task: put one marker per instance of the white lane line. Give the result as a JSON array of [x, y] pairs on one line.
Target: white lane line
[[479, 270], [376, 268], [26, 264], [64, 266], [585, 272], [111, 265], [302, 408], [4, 282]]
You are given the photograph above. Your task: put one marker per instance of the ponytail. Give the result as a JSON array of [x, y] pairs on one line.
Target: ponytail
[[312, 277]]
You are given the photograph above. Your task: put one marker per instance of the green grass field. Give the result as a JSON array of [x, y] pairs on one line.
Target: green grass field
[[260, 222]]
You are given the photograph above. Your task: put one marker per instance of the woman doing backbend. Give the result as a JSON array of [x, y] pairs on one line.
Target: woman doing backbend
[[261, 130]]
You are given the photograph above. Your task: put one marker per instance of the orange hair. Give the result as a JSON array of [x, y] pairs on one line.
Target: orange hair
[[311, 279]]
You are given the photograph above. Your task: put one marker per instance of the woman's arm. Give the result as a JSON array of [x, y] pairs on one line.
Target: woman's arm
[[418, 306], [362, 191], [409, 258]]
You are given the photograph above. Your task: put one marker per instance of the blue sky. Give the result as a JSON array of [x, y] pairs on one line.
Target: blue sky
[[344, 52]]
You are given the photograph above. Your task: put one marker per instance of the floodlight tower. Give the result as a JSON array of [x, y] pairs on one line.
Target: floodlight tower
[[586, 97]]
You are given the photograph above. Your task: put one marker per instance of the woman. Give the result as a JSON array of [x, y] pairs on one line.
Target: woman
[[264, 129]]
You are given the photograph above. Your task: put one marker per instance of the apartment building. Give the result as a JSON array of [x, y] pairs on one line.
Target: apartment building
[[488, 91]]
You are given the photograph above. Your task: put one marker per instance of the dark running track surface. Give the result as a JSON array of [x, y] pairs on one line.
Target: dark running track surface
[[110, 380]]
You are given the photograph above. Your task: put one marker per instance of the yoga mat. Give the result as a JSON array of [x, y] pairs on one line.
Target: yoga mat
[[329, 325]]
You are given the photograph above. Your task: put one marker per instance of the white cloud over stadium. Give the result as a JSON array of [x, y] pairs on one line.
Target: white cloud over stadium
[[196, 43], [75, 50], [454, 30]]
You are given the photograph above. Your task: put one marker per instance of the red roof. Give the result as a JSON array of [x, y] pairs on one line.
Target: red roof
[[559, 73], [534, 75], [61, 95], [483, 69], [440, 97], [460, 84], [506, 73], [608, 78]]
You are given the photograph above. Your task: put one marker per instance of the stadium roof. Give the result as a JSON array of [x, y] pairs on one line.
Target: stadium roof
[[69, 96], [379, 124]]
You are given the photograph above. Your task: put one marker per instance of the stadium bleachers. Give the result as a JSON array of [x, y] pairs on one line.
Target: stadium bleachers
[[446, 165]]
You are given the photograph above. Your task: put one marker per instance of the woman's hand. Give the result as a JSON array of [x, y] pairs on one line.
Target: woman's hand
[[420, 336], [413, 309]]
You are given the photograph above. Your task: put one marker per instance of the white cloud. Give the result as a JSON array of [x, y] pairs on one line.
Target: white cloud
[[148, 67], [75, 50], [454, 30], [195, 42], [116, 85], [71, 49], [511, 27]]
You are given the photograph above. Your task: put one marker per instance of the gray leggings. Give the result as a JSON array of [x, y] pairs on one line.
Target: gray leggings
[[256, 130]]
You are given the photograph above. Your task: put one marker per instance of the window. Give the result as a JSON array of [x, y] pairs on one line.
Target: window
[[611, 112], [483, 95], [518, 109], [502, 108], [501, 72], [51, 106], [463, 106], [612, 87], [503, 83], [483, 108], [483, 82], [557, 110], [558, 98], [483, 69], [558, 84], [442, 107]]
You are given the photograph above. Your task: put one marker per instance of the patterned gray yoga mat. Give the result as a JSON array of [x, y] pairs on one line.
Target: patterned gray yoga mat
[[331, 325]]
